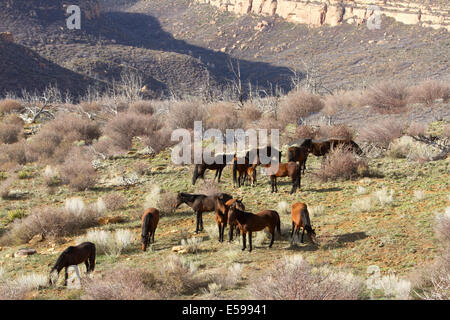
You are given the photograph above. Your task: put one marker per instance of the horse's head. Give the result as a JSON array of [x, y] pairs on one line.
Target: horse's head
[[144, 242], [239, 205], [179, 201], [311, 234], [232, 214], [308, 144]]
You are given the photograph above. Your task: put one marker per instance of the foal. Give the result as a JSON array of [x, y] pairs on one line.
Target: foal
[[245, 170], [300, 219], [249, 222], [150, 220], [74, 255]]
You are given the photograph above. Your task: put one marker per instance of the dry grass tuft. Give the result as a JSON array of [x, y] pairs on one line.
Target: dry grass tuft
[[341, 164], [295, 279], [122, 283]]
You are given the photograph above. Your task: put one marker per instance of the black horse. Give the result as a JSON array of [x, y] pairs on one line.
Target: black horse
[[200, 203], [74, 255], [254, 156]]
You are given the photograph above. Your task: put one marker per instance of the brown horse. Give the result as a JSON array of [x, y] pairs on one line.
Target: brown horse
[[290, 169], [74, 255], [150, 220], [300, 153], [300, 219], [218, 165], [222, 208], [245, 170], [249, 222], [200, 203]]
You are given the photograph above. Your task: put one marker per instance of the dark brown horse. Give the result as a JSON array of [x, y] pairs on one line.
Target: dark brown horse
[[300, 219], [249, 222], [255, 156], [200, 203], [323, 146], [150, 220], [218, 165], [300, 153], [221, 216], [72, 256], [290, 169]]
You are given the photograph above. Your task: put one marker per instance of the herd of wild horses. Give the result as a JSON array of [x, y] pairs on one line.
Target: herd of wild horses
[[228, 210]]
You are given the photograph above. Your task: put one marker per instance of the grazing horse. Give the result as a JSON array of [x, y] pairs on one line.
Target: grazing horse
[[219, 164], [249, 222], [200, 203], [221, 216], [72, 256], [300, 153], [290, 169], [150, 220], [245, 170], [300, 219]]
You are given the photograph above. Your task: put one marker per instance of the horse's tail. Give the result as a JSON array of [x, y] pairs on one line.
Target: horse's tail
[[357, 149], [278, 224], [195, 176], [92, 259], [298, 178], [235, 170]]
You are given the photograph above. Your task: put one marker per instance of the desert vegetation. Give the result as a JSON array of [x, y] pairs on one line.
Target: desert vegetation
[[85, 172]]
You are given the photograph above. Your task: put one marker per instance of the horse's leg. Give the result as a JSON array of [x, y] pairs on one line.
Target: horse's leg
[[219, 225], [198, 222], [292, 232], [271, 182], [220, 175], [217, 173], [230, 234], [153, 235], [303, 233], [244, 240], [201, 221], [87, 266], [273, 238], [250, 241]]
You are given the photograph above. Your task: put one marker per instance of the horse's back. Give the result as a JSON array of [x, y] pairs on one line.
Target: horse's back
[[269, 215], [296, 213], [152, 214]]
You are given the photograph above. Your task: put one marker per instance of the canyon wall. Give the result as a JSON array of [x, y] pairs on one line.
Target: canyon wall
[[334, 12]]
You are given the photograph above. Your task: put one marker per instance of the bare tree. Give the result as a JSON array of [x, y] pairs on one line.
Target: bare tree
[[237, 81]]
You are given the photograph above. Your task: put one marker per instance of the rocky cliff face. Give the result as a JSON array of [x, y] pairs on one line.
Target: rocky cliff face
[[334, 12]]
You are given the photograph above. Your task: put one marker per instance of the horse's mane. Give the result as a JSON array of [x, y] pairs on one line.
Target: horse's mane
[[145, 225], [305, 216], [61, 257]]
